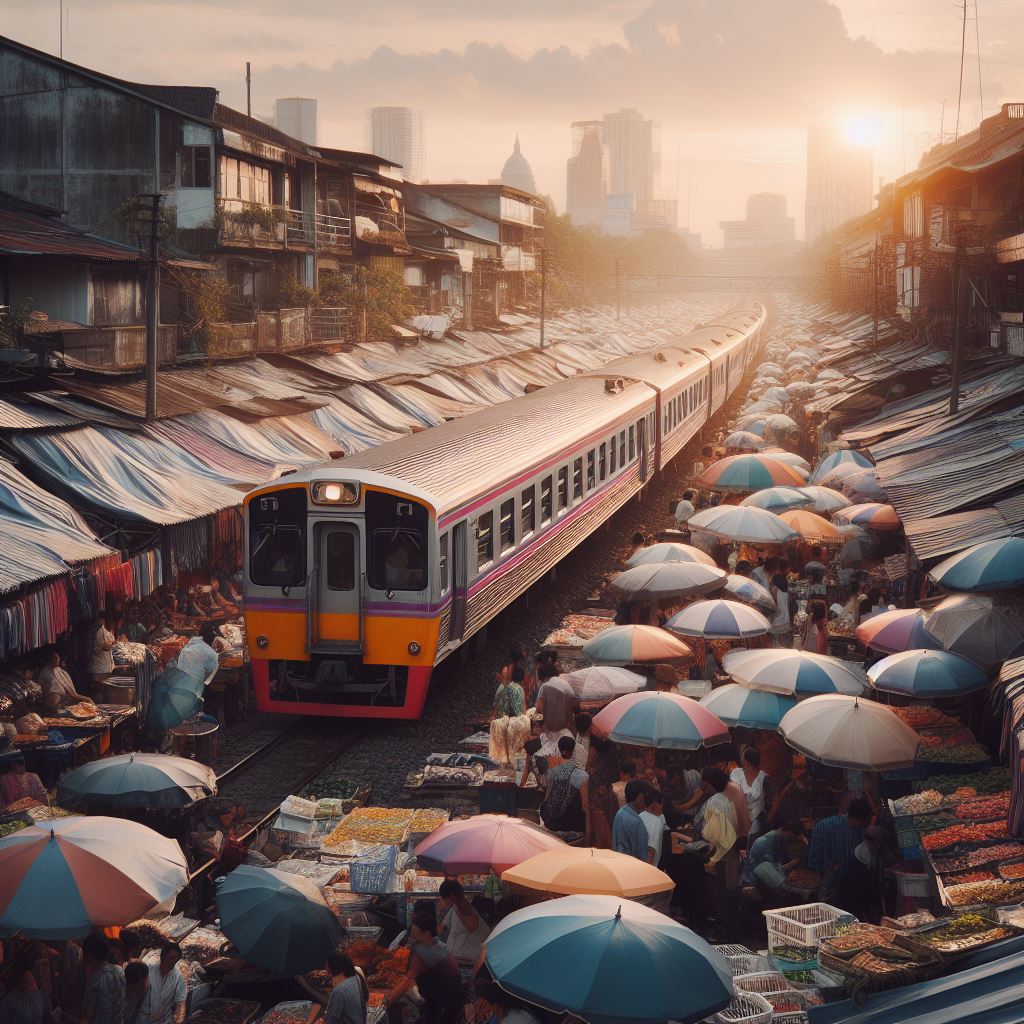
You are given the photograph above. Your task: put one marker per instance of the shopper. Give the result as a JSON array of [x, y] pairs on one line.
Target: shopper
[[653, 817], [347, 1002], [627, 772], [771, 849], [25, 1004], [723, 830], [832, 843], [105, 987], [198, 658], [814, 562], [863, 890], [136, 981], [815, 632], [781, 622], [756, 787], [101, 665], [434, 972], [603, 771], [629, 833], [765, 571], [510, 697], [555, 701], [684, 509], [463, 929], [565, 808], [166, 995]]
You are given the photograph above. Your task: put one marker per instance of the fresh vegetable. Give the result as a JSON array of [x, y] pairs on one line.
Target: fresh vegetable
[[979, 783], [962, 753], [961, 833]]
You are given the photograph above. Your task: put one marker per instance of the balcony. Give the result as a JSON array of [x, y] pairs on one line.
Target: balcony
[[381, 227], [514, 259], [953, 226], [333, 234], [251, 224]]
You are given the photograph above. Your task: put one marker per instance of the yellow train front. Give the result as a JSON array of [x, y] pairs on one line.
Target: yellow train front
[[341, 595]]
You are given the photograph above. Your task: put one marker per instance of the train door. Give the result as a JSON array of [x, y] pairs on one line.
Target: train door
[[641, 443], [338, 582], [460, 581]]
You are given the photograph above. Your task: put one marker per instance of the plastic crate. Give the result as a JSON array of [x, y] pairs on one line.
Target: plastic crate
[[804, 925], [373, 874], [745, 1008], [775, 988], [747, 963], [734, 950], [913, 885]]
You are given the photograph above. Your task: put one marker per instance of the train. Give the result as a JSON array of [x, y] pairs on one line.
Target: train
[[363, 574]]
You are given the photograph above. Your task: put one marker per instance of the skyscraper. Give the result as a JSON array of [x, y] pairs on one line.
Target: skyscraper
[[586, 174], [632, 158], [840, 182], [396, 133], [296, 116], [766, 224]]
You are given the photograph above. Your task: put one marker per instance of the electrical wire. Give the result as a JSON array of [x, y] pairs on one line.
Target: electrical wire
[[960, 91], [977, 50]]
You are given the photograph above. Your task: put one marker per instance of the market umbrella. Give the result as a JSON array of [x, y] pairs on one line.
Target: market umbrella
[[777, 499], [138, 780], [848, 732], [745, 473], [608, 961], [864, 484], [773, 368], [902, 629], [663, 720], [838, 474], [743, 588], [776, 395], [575, 871], [994, 565], [280, 922], [830, 462], [741, 523], [779, 424], [826, 500], [485, 843], [829, 375], [870, 515], [718, 620], [812, 528], [925, 673], [176, 697], [744, 441], [668, 579], [801, 388], [795, 673], [630, 645], [604, 682], [753, 423], [759, 408], [670, 551], [70, 876], [977, 627], [752, 709], [789, 458]]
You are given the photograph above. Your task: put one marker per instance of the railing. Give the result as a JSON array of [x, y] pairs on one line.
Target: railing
[[257, 223], [299, 227], [513, 258], [333, 233], [330, 323], [387, 227]]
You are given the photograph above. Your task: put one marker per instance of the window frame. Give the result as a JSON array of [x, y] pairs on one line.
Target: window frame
[[547, 508], [506, 512], [591, 470], [612, 453], [528, 501], [442, 563], [479, 534], [563, 489], [577, 479], [632, 441]]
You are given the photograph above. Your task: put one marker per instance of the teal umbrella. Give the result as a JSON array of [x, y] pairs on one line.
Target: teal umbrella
[[753, 709], [138, 780], [176, 698], [608, 961], [277, 921], [830, 462], [994, 565], [923, 673]]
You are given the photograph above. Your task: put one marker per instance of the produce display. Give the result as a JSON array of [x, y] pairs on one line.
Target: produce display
[[979, 783], [441, 775], [330, 787], [576, 629], [1012, 871], [793, 954], [994, 854], [968, 931], [11, 827], [974, 893], [22, 805], [919, 717], [85, 710], [982, 807], [371, 825], [963, 834], [224, 1011], [918, 803], [426, 819], [203, 945], [287, 1013], [961, 753], [799, 977], [915, 920], [970, 876]]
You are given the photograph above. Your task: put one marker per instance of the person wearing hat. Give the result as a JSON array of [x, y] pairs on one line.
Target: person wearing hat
[[17, 783]]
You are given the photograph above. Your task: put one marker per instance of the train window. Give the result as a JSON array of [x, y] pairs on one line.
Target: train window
[[622, 448], [686, 400], [277, 538], [507, 525], [666, 427], [442, 562], [528, 513], [602, 462], [397, 551], [577, 479], [484, 540], [632, 442], [563, 488], [545, 500], [341, 560], [614, 452], [591, 476]]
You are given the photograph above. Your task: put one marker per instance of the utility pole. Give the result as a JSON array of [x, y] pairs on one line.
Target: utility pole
[[958, 332], [155, 202], [543, 293], [618, 292], [248, 88], [875, 268]]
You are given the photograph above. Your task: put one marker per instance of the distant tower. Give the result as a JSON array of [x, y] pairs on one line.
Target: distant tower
[[296, 116], [586, 177], [517, 172], [396, 133]]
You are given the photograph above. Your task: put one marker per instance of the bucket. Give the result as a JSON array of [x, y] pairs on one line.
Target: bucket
[[119, 690], [197, 737]]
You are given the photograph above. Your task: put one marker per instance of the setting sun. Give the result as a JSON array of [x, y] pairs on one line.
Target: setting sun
[[862, 131]]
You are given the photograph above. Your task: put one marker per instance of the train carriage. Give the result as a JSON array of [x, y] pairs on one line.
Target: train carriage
[[363, 574]]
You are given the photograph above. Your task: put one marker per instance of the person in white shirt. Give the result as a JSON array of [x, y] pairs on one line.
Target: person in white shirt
[[58, 687], [685, 508], [101, 665], [198, 658], [165, 999], [654, 818], [464, 930]]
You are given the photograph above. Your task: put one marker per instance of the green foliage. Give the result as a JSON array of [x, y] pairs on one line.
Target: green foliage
[[288, 293], [376, 292], [206, 298], [255, 217]]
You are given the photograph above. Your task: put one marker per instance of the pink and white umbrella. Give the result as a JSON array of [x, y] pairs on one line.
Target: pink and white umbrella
[[487, 842], [664, 720]]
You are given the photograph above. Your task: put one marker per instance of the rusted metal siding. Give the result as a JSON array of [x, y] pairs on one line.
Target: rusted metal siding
[[123, 347]]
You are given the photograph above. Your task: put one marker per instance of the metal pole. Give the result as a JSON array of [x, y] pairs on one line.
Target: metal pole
[[958, 334], [248, 88], [618, 292], [153, 305], [875, 269], [543, 293]]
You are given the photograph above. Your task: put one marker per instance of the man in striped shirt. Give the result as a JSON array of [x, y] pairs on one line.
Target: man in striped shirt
[[833, 841]]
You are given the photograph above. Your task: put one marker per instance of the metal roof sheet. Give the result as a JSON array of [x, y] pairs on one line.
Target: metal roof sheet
[[22, 416], [30, 234]]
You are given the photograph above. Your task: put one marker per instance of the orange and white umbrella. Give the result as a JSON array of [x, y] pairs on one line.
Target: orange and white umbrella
[[812, 528], [870, 515], [572, 871]]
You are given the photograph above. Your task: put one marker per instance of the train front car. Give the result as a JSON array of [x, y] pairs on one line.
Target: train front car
[[341, 585]]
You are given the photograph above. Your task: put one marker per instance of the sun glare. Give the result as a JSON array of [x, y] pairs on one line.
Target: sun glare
[[862, 131]]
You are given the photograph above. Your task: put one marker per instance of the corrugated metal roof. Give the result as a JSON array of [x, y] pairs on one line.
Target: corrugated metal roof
[[21, 416], [944, 535], [30, 234]]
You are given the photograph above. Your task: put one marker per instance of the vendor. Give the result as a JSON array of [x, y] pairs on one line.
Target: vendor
[[833, 841], [166, 995], [768, 859], [434, 972], [347, 1002], [554, 702], [564, 809], [101, 665], [221, 602], [863, 890], [463, 928], [198, 658], [58, 687], [17, 783]]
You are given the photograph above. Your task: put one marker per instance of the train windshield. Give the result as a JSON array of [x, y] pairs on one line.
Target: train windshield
[[397, 542], [277, 539]]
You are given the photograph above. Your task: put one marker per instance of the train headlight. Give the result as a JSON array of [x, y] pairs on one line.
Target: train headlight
[[334, 492], [414, 648], [262, 642]]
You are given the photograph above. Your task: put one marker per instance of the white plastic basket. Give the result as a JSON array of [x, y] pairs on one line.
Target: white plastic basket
[[745, 1008], [805, 925], [747, 963]]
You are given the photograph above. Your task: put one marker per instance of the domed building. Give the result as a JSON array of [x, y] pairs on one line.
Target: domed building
[[517, 172]]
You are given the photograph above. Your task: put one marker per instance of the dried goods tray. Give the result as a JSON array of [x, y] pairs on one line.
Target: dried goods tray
[[998, 893], [861, 977], [918, 941], [845, 947], [224, 1011]]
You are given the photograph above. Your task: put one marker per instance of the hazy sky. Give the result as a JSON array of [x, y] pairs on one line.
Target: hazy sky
[[733, 83]]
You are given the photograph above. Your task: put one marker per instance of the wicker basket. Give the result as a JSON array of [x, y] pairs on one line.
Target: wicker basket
[[745, 1008], [747, 963], [860, 980]]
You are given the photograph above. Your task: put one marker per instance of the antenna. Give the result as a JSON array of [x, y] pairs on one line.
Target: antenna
[[61, 51], [977, 50], [248, 86], [960, 91]]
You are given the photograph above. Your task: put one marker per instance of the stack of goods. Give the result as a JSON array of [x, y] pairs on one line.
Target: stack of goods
[[954, 936], [576, 629], [204, 945], [919, 716], [871, 959], [794, 933], [424, 821], [371, 825]]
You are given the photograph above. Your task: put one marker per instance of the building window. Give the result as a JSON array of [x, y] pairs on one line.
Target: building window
[[195, 167], [913, 216], [622, 448], [443, 562], [507, 525], [484, 540], [527, 511], [545, 500], [577, 479], [563, 488]]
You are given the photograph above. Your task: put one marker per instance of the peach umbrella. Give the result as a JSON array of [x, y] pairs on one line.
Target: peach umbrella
[[812, 527], [574, 871]]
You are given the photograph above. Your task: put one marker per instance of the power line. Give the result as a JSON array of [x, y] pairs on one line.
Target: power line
[[977, 48], [960, 91]]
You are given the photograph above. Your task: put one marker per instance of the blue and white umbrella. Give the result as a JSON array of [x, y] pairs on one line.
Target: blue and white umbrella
[[663, 720], [750, 592], [994, 565], [794, 673], [752, 709], [778, 499], [824, 500], [924, 673], [827, 464], [719, 620]]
